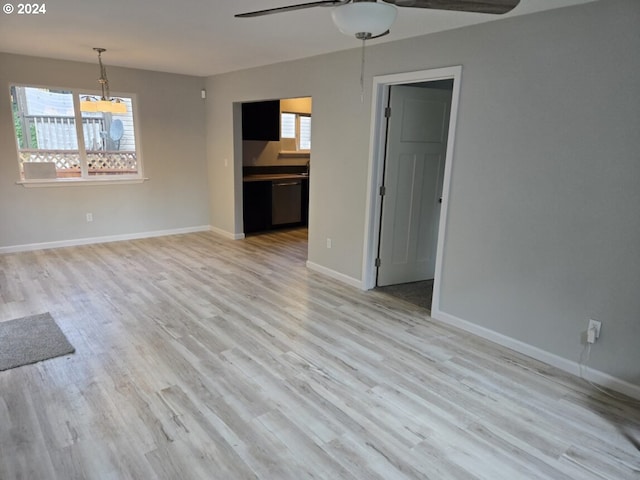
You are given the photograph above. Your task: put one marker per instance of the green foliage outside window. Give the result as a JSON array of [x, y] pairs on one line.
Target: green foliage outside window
[[18, 126]]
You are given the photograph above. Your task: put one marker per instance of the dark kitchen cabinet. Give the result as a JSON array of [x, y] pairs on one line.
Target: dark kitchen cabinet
[[261, 121], [305, 201], [272, 204], [256, 197]]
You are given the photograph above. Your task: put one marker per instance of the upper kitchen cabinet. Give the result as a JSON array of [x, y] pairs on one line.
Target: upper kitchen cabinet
[[261, 120]]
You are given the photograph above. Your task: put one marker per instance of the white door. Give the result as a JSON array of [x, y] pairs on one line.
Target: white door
[[414, 171]]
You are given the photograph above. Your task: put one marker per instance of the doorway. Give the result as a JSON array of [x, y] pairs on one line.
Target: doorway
[[409, 175], [276, 155]]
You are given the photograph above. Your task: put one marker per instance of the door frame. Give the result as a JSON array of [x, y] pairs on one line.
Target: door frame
[[377, 149]]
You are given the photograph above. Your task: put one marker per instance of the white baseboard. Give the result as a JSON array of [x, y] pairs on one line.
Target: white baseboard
[[224, 233], [595, 376], [104, 239], [341, 277]]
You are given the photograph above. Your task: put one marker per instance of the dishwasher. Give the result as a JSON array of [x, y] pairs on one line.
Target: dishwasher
[[286, 202]]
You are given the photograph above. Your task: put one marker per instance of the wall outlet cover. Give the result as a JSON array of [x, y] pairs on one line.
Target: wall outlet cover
[[595, 324]]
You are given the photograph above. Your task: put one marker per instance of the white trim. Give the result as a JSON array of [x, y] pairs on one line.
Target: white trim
[[446, 187], [105, 239], [376, 161], [229, 235], [81, 182], [341, 277], [76, 93], [595, 376]]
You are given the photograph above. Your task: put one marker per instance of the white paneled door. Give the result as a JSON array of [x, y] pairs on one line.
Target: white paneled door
[[413, 177]]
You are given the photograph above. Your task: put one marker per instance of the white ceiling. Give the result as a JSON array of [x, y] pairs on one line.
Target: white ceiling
[[202, 37]]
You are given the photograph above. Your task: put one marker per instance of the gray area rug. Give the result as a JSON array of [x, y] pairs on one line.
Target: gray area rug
[[31, 339]]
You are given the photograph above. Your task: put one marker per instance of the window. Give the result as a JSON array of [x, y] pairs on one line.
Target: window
[[57, 141], [295, 126]]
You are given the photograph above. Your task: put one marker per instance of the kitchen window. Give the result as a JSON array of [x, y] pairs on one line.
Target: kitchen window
[[295, 132], [59, 143]]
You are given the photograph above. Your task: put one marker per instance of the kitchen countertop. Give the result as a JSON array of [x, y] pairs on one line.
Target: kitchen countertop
[[267, 177]]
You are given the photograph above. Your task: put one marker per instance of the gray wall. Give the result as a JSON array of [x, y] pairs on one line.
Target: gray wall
[[543, 228], [171, 137]]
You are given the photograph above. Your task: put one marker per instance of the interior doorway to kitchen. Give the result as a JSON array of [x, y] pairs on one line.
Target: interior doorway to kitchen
[[275, 156]]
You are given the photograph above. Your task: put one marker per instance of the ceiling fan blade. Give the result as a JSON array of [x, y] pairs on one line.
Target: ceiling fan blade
[[387, 32], [476, 6], [300, 6]]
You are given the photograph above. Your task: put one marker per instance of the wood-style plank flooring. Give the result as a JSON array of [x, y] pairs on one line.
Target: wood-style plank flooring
[[199, 357]]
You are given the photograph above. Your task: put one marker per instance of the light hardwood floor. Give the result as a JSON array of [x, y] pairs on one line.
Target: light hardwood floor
[[200, 357]]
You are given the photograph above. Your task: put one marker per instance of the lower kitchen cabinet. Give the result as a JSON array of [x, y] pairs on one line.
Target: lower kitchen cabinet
[[256, 197], [305, 201], [274, 204]]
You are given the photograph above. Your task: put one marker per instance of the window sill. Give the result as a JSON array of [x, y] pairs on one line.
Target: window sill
[[79, 182], [294, 153]]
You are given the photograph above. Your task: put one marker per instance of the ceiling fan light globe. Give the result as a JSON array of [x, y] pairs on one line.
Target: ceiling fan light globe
[[364, 18]]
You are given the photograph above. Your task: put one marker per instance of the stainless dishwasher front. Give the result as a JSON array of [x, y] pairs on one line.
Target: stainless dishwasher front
[[286, 202]]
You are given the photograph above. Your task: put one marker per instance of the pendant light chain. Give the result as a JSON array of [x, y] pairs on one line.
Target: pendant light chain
[[104, 82], [105, 104], [362, 72]]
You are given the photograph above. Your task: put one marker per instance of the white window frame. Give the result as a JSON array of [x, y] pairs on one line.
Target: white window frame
[[84, 179], [298, 151]]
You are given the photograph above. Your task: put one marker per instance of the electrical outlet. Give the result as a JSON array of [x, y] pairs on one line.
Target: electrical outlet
[[593, 330], [89, 217], [329, 243]]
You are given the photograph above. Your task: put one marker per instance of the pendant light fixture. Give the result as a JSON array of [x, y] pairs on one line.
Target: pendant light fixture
[[105, 103]]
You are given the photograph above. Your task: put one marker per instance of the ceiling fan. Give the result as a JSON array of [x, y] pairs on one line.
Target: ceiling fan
[[367, 19]]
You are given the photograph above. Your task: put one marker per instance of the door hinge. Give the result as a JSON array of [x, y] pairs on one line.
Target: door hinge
[[383, 190], [387, 112], [378, 262]]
